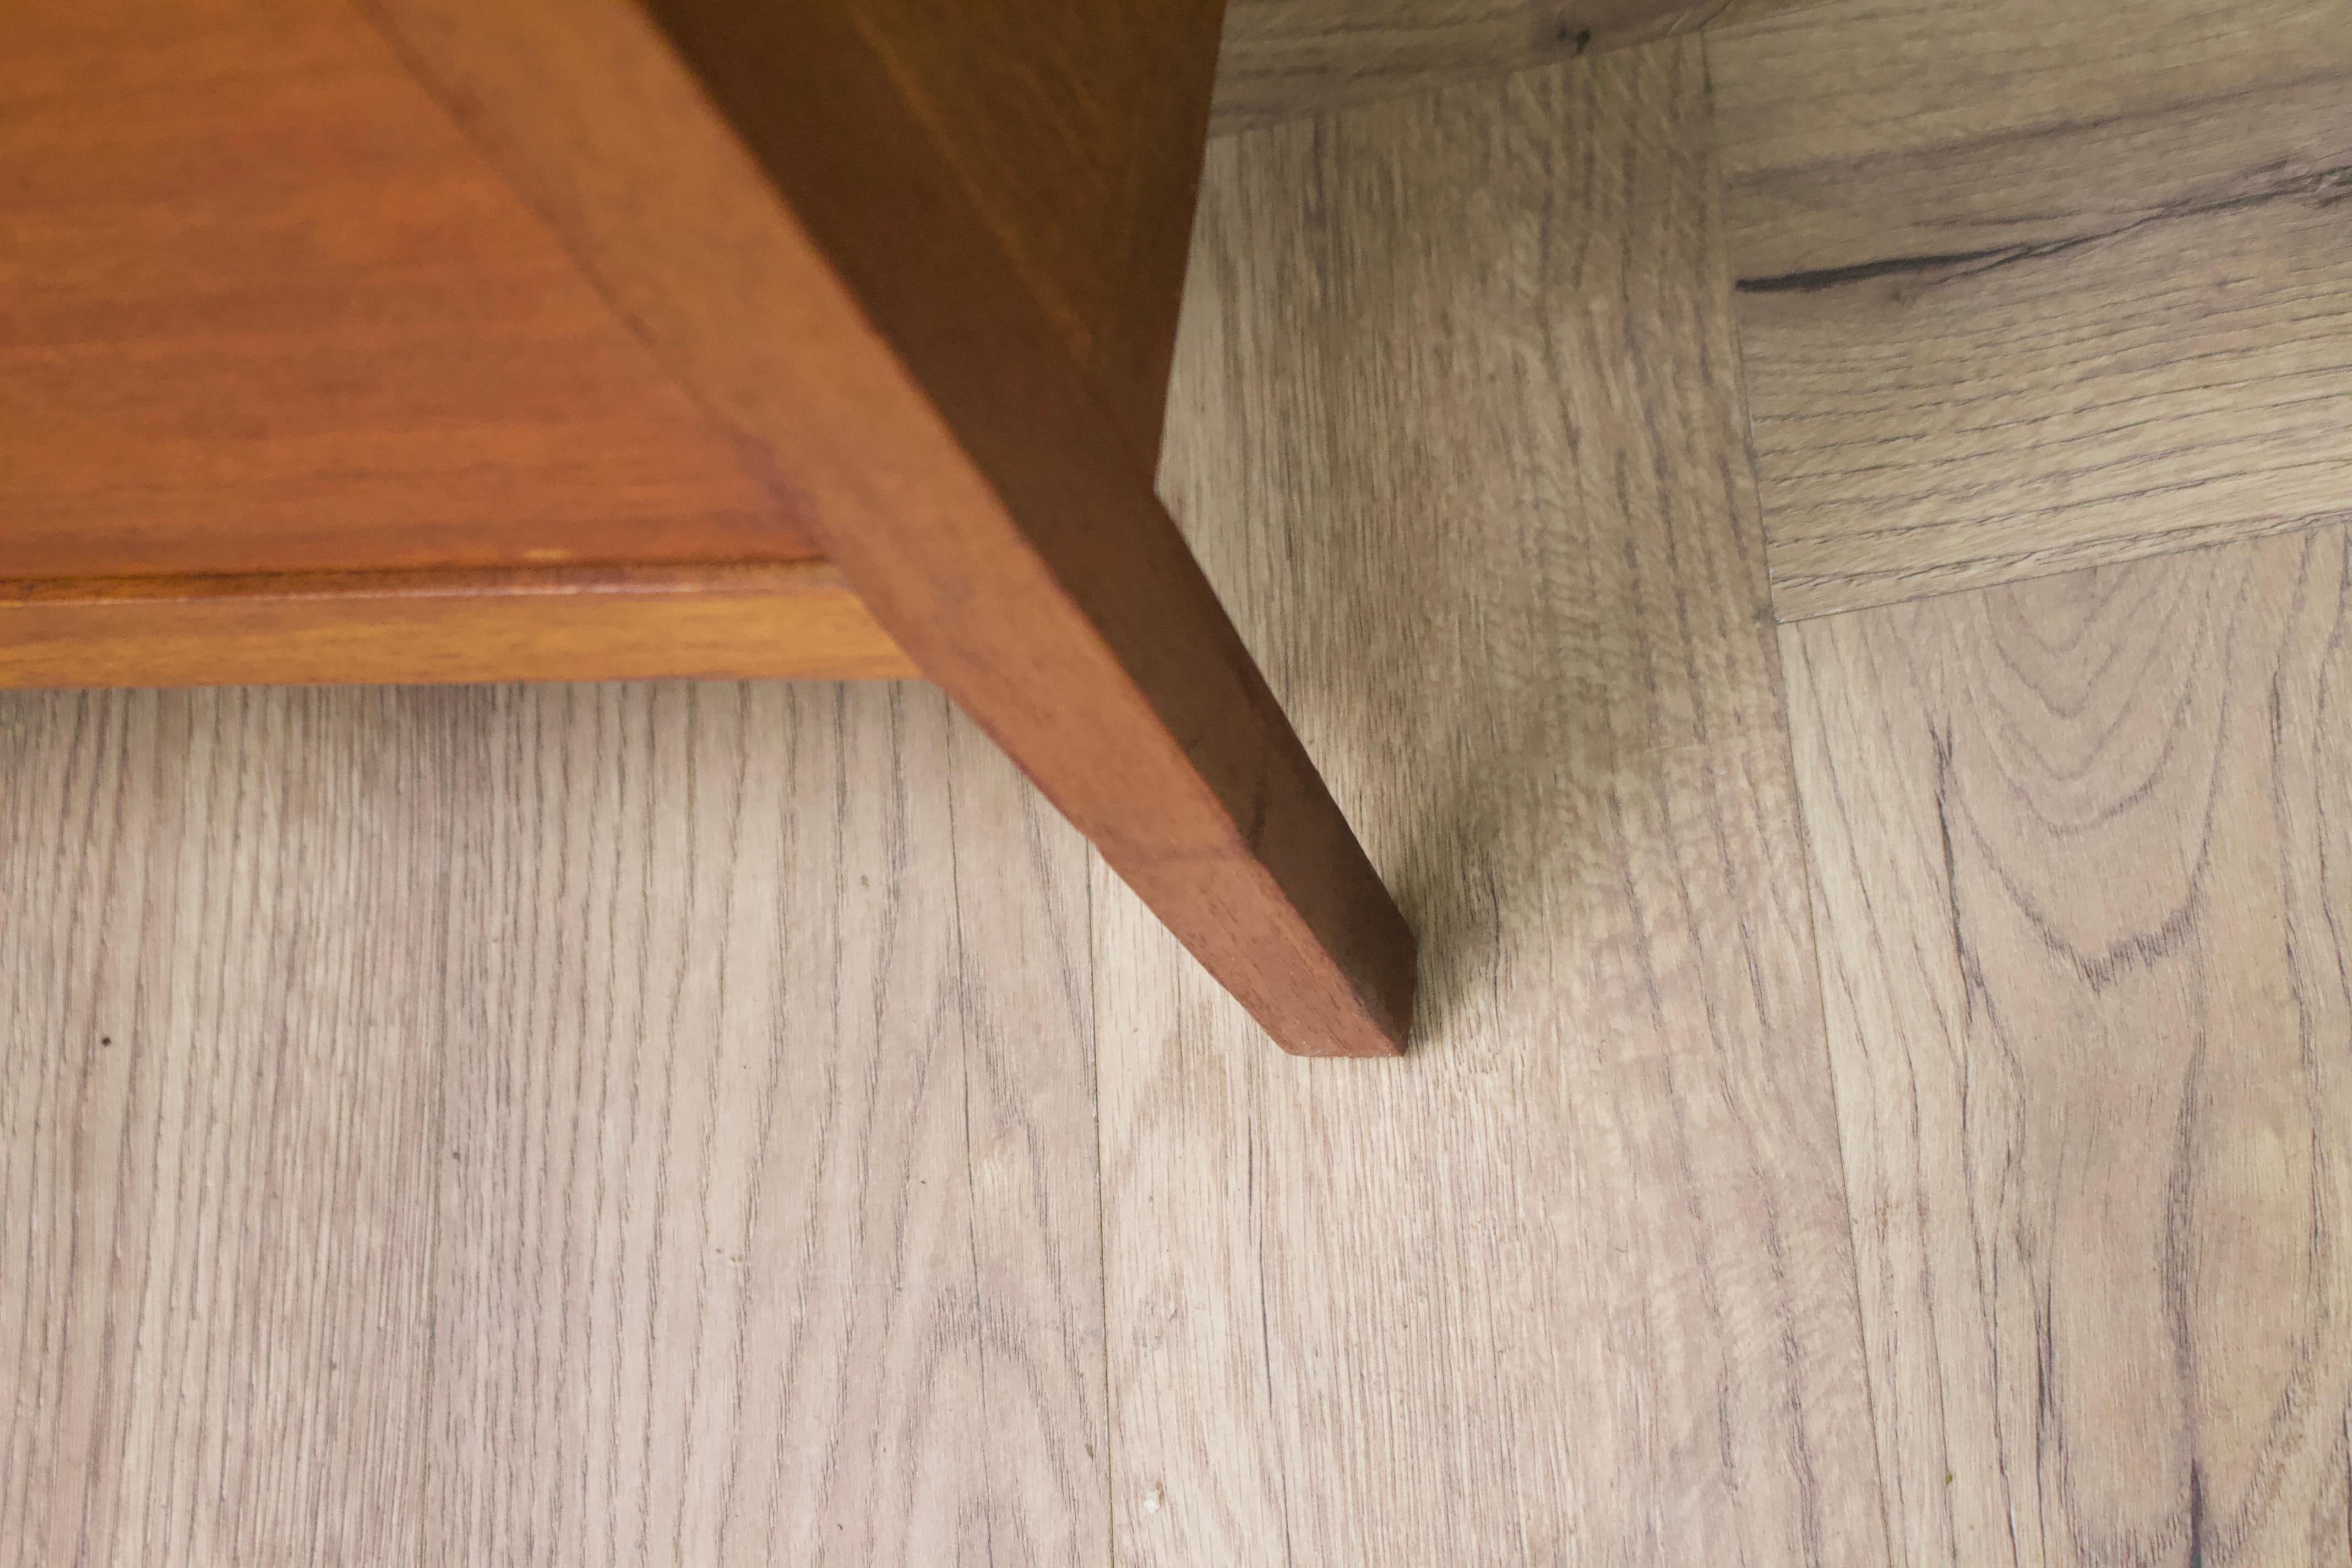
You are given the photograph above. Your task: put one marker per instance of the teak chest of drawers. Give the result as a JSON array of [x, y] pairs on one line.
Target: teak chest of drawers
[[498, 340]]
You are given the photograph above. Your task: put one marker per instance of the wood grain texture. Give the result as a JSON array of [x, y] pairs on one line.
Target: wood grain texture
[[550, 1126], [768, 1227], [263, 309], [875, 343], [220, 1042], [1287, 59], [2030, 287], [2080, 885], [1570, 1283], [1076, 128], [798, 622]]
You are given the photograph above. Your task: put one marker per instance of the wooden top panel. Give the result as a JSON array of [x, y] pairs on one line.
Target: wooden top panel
[[263, 308]]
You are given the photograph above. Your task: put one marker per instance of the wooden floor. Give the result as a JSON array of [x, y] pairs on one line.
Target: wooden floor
[[2037, 284], [1886, 1089]]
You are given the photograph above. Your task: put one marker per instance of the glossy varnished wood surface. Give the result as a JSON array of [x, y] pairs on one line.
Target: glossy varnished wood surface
[[565, 1125], [2027, 286], [1570, 1283], [325, 628], [262, 308], [2081, 889], [267, 310]]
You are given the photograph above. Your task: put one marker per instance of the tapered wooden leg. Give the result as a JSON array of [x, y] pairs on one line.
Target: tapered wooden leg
[[789, 221]]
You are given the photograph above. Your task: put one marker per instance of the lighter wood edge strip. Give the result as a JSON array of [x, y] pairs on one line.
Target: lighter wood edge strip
[[797, 621]]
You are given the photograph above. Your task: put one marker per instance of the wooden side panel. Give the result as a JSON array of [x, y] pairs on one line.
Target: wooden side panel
[[1286, 59], [2081, 880], [1457, 431], [875, 343], [262, 308], [377, 627], [1076, 127], [2028, 287]]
